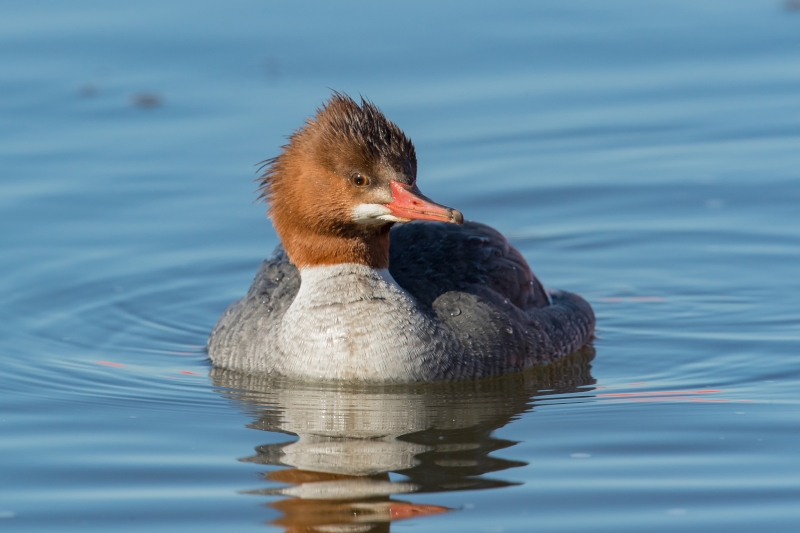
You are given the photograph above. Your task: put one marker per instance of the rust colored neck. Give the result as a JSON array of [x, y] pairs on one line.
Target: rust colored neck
[[311, 200], [306, 248]]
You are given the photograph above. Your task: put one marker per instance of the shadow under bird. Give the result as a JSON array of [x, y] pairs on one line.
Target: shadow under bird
[[375, 282]]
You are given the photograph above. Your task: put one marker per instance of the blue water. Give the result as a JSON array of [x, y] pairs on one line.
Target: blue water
[[645, 155]]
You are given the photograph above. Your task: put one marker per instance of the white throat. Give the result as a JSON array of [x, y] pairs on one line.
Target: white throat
[[350, 321]]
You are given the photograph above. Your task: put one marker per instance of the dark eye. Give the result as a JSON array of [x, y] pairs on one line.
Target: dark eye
[[359, 180]]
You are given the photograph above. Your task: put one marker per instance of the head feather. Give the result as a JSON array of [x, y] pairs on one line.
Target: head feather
[[341, 122]]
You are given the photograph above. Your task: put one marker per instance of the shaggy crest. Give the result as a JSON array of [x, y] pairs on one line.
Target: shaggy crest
[[343, 122]]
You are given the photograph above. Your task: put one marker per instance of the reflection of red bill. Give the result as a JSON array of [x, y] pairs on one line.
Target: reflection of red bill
[[402, 510], [108, 363], [306, 515], [658, 393], [667, 396], [619, 299]]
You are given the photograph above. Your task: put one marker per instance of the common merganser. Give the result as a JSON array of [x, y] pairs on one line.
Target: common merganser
[[446, 300]]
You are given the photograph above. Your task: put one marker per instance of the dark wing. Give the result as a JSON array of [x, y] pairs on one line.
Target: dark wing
[[429, 259], [483, 290]]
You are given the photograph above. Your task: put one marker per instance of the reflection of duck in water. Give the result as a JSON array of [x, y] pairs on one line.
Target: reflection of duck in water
[[437, 436], [445, 301]]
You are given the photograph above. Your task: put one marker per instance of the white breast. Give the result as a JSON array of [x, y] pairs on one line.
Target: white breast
[[351, 321]]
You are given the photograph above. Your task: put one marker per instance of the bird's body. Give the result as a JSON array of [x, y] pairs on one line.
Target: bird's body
[[345, 298]]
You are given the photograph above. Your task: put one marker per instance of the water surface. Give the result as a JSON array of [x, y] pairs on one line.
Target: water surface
[[643, 155]]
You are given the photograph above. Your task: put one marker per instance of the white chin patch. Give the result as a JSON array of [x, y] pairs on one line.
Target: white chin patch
[[374, 214]]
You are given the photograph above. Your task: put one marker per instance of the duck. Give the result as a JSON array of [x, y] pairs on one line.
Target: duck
[[375, 282]]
